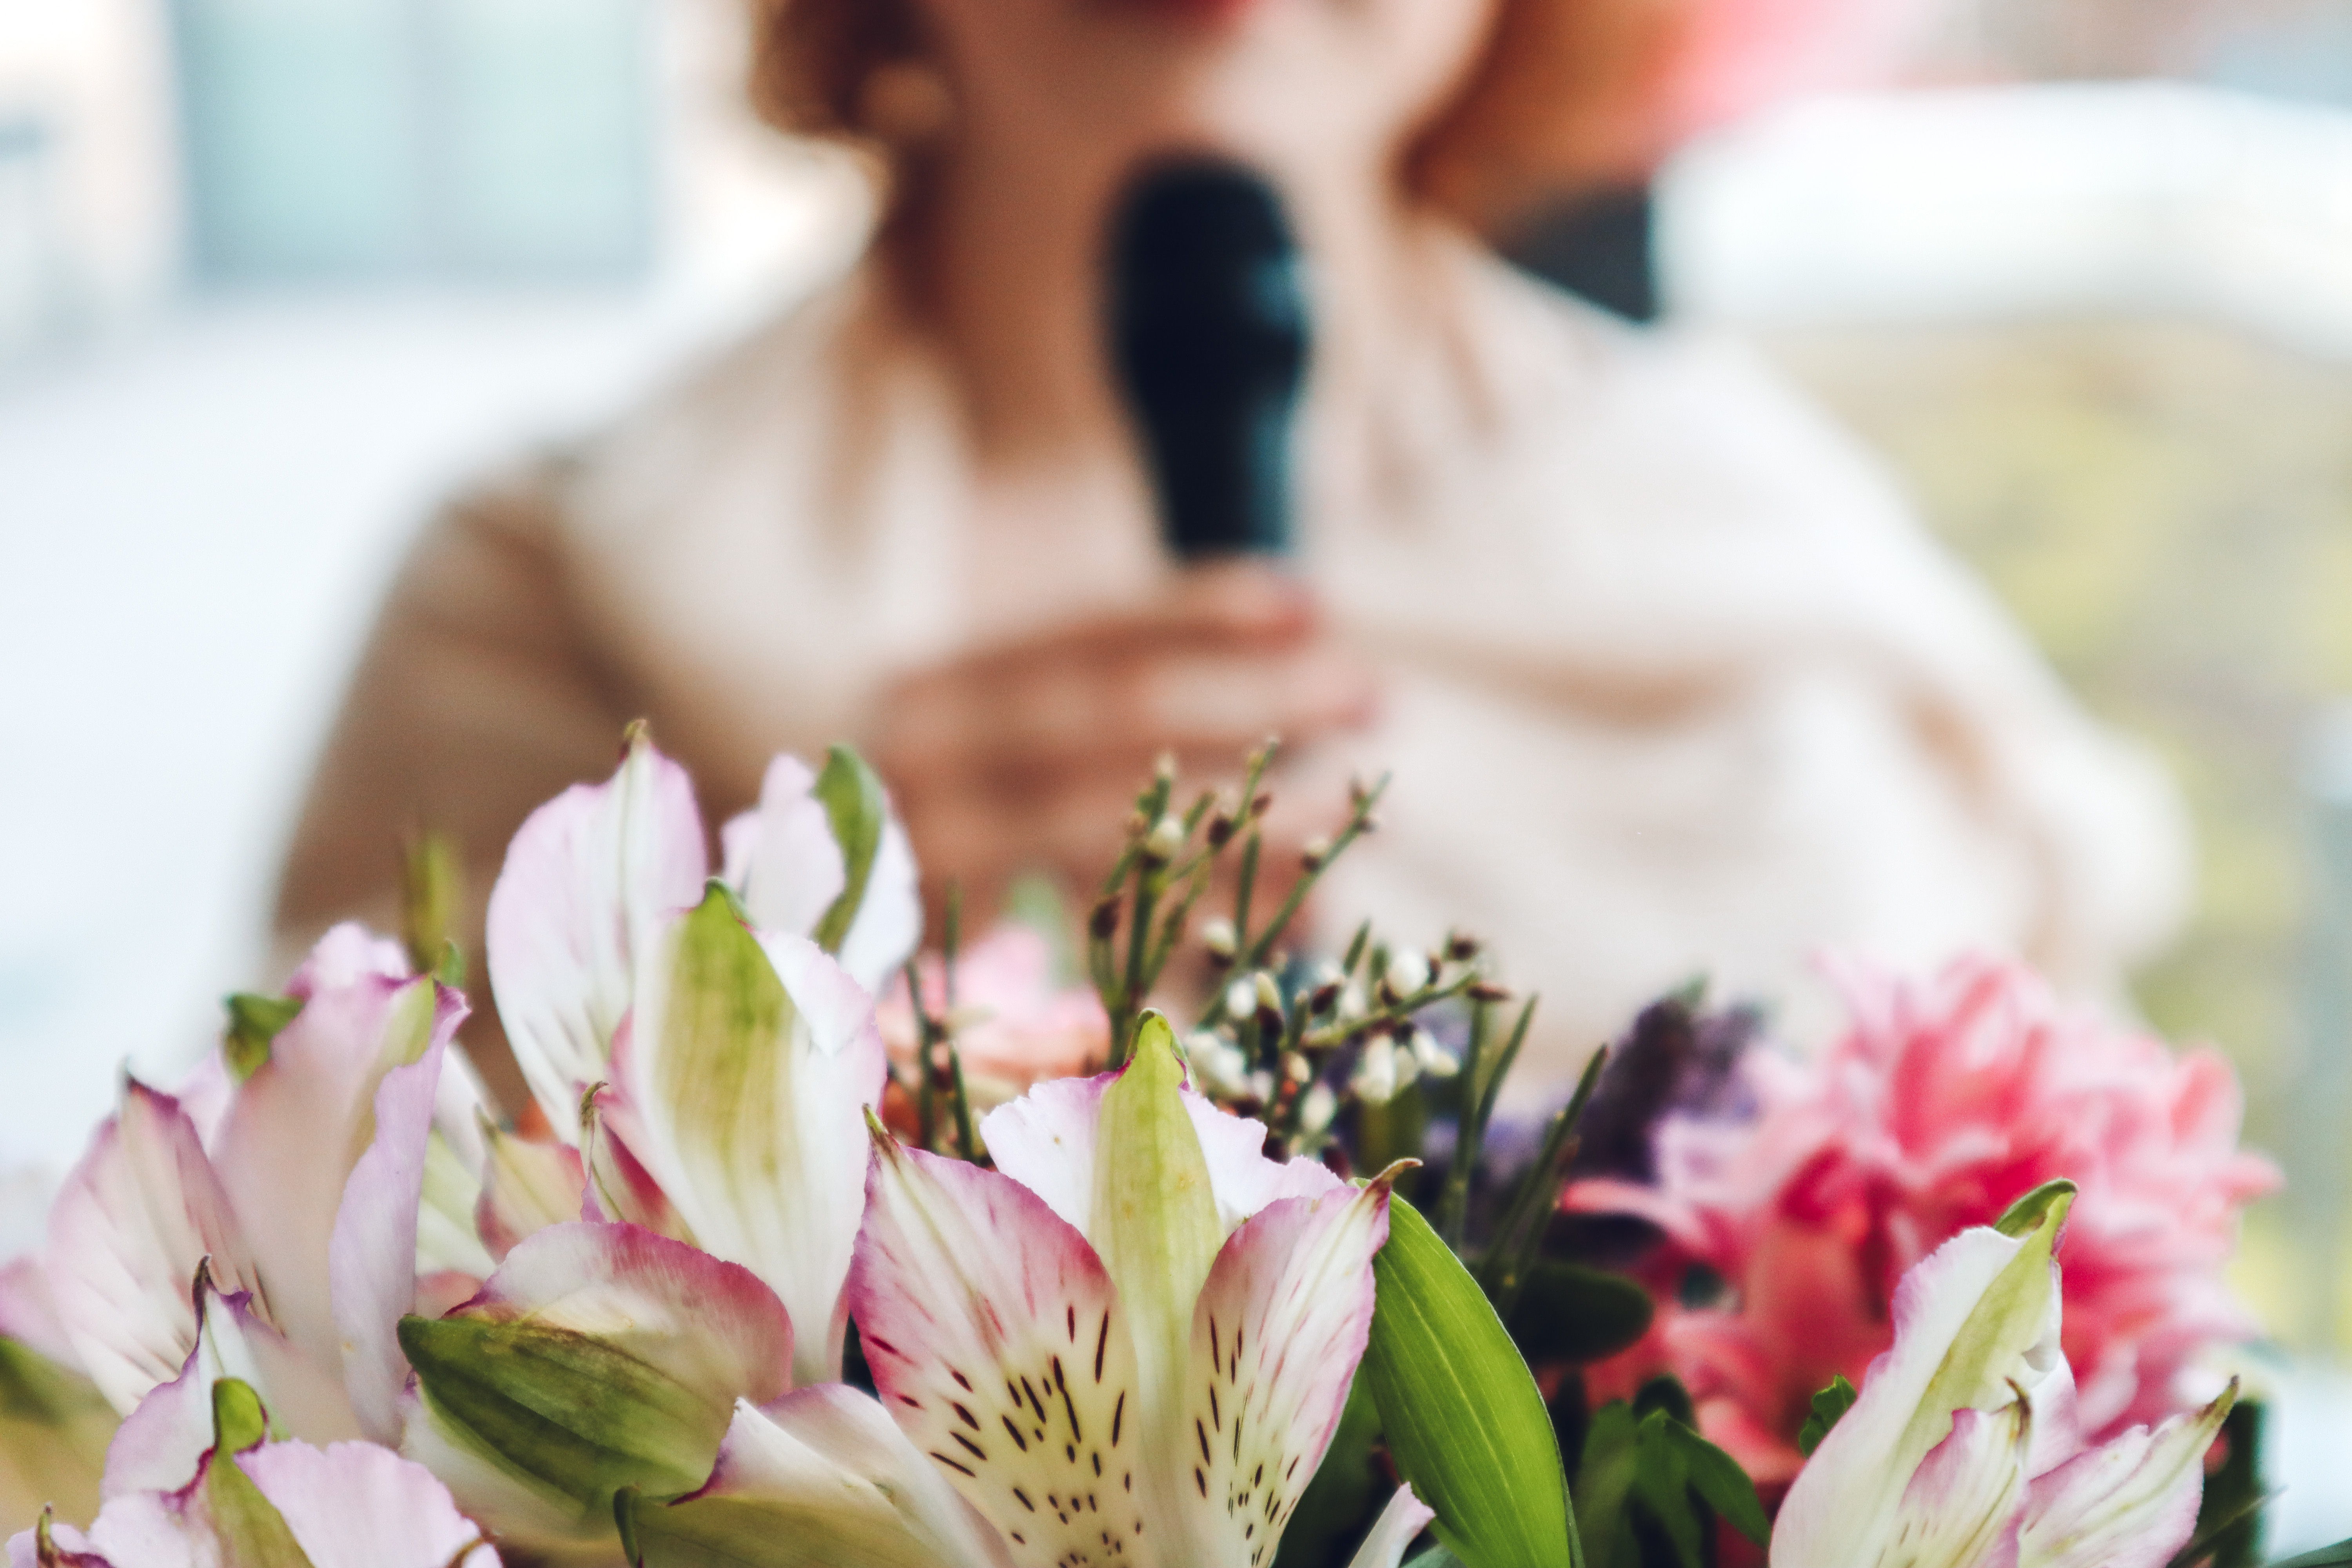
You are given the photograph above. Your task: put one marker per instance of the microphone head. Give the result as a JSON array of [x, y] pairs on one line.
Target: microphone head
[[1210, 337]]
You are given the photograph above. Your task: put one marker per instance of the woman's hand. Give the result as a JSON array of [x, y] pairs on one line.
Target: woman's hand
[[1027, 756]]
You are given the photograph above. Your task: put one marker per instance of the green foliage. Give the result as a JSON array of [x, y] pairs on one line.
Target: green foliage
[[1463, 1418], [252, 1534], [1830, 1406], [2229, 1517], [54, 1430], [569, 1416], [1649, 1489], [2336, 1556], [1567, 1312], [254, 1024], [853, 802]]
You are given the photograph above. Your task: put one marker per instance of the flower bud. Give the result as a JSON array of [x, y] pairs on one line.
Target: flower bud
[[1222, 1069], [1270, 1019], [1375, 1080], [1408, 972], [1219, 937], [1241, 997], [1317, 1110], [1167, 838], [1487, 991], [1163, 768], [1435, 1059], [1459, 948], [1323, 998], [1315, 853], [1103, 924], [1296, 1068]]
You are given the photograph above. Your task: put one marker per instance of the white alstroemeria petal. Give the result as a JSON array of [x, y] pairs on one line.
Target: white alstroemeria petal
[[588, 878], [1405, 1516], [998, 1345], [2129, 1503], [749, 1066], [1966, 1500], [1973, 1320], [372, 1254], [29, 1311], [126, 1234], [890, 922], [348, 953], [1276, 1335], [300, 1124], [822, 1480], [782, 857], [356, 1505], [159, 1444], [1046, 1141]]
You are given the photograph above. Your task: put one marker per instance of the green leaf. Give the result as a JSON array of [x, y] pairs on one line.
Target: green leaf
[[1571, 1314], [1720, 1483], [1830, 1406], [853, 801], [54, 1430], [2024, 1216], [1463, 1420], [252, 1532], [254, 1024], [571, 1417], [1604, 1479], [2336, 1556], [2229, 1518], [1436, 1557]]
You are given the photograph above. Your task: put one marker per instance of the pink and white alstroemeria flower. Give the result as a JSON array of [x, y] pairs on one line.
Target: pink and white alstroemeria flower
[[302, 1210], [1136, 1357], [1963, 1449], [739, 1051], [247, 1500]]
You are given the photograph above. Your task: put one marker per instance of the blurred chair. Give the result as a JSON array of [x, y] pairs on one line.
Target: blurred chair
[[362, 139]]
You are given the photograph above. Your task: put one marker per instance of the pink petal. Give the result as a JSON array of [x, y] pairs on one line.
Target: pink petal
[[1966, 1500], [588, 877], [354, 1505], [372, 1257], [526, 1187], [1276, 1335], [28, 1312], [1046, 1141], [782, 857], [299, 1125], [1404, 1517], [998, 1345], [161, 1443], [713, 1326], [2130, 1503], [827, 1466], [73, 1549], [126, 1234]]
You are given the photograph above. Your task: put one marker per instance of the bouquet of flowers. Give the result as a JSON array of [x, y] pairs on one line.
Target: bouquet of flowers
[[811, 1251]]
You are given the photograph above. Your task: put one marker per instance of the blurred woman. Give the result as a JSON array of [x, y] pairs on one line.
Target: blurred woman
[[1671, 681]]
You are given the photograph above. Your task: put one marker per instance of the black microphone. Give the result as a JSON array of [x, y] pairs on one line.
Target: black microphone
[[1209, 337]]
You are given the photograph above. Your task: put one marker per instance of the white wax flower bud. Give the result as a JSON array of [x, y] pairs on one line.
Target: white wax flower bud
[[1353, 1004], [1223, 1069], [1317, 1110], [1296, 1068], [1220, 938], [1241, 997], [1375, 1080], [1166, 838], [1261, 1085], [1435, 1059], [1408, 972], [1314, 852], [1408, 1066], [1268, 997]]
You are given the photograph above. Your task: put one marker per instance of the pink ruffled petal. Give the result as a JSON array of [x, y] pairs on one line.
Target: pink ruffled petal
[[1276, 1335], [526, 1187], [998, 1345], [586, 881], [129, 1227]]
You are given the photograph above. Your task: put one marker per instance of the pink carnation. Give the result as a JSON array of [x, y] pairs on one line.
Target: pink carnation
[[1944, 1103], [1015, 1025]]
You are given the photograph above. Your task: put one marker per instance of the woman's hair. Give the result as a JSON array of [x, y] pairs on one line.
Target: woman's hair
[[1566, 94]]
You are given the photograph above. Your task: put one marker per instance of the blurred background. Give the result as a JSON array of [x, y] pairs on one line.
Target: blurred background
[[277, 274]]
